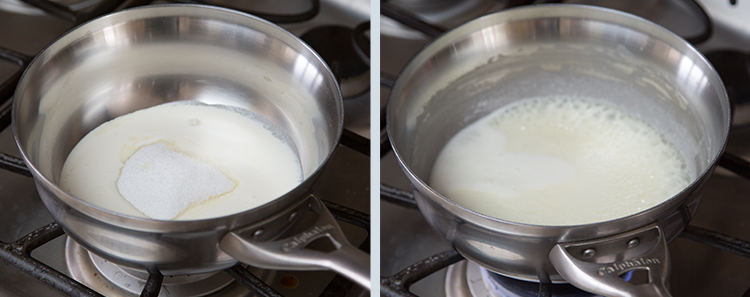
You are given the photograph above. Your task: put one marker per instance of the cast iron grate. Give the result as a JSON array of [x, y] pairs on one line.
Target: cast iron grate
[[18, 253], [77, 17]]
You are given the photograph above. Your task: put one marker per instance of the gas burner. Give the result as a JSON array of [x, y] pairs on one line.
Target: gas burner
[[110, 279], [467, 279]]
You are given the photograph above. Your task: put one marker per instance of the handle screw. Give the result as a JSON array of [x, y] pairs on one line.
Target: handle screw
[[633, 243]]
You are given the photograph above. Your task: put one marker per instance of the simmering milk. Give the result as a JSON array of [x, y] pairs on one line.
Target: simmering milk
[[559, 161], [244, 150]]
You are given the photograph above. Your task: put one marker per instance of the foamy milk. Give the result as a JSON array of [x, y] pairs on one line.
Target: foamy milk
[[261, 165], [559, 161]]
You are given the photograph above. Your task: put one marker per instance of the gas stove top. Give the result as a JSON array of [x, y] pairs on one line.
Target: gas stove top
[[711, 258], [27, 228]]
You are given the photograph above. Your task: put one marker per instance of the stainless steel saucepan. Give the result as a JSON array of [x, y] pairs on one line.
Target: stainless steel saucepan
[[143, 57], [561, 50]]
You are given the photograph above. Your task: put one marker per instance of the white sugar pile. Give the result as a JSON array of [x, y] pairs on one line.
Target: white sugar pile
[[162, 183]]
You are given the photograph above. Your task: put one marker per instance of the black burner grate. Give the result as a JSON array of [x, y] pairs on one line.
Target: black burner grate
[[398, 284], [18, 254]]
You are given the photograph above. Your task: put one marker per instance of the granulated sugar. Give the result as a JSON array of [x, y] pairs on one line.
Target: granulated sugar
[[162, 183]]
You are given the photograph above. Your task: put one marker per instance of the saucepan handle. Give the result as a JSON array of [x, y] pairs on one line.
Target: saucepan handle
[[597, 266], [267, 246]]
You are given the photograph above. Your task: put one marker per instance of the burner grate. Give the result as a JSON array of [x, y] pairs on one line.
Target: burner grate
[[18, 254], [274, 18], [410, 19], [398, 284], [64, 12], [76, 17]]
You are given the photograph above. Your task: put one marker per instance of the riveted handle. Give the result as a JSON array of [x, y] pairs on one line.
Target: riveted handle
[[596, 265]]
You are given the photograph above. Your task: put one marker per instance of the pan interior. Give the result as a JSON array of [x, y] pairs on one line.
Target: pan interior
[[452, 83]]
